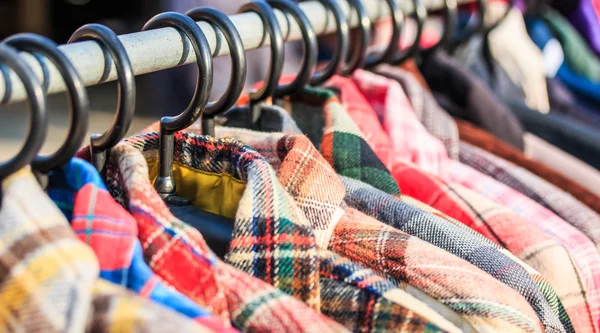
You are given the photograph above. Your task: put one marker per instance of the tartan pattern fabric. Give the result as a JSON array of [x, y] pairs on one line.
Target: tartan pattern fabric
[[479, 214], [49, 279], [46, 274], [273, 241], [437, 122], [179, 255], [340, 135], [391, 105], [111, 232], [536, 188], [477, 137], [116, 309], [317, 189], [578, 285], [582, 296]]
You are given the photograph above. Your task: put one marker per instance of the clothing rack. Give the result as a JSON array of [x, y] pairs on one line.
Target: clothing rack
[[155, 50]]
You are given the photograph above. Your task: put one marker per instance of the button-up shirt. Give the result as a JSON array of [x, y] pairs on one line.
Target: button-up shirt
[[180, 256], [49, 279], [576, 277], [318, 104], [111, 232]]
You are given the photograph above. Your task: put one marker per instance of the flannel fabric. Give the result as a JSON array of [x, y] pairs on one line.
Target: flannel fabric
[[49, 279], [579, 279], [111, 232], [285, 251], [116, 310], [306, 105], [551, 197], [179, 255], [320, 193], [432, 116], [477, 137], [491, 220], [390, 103], [578, 246]]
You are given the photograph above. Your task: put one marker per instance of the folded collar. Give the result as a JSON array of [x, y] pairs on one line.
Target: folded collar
[[319, 114]]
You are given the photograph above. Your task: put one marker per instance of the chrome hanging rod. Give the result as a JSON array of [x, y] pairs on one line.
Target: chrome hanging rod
[[155, 50]]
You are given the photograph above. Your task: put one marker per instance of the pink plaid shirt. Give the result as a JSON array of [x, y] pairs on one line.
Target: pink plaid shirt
[[410, 142]]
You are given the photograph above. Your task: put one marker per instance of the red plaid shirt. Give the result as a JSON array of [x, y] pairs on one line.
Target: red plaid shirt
[[320, 193], [545, 252], [179, 255], [581, 249]]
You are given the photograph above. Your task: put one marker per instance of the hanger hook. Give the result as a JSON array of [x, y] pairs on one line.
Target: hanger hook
[[38, 121], [76, 93], [397, 17], [272, 28], [237, 79], [479, 27], [419, 14], [450, 22], [487, 30], [311, 48], [165, 185], [358, 57], [342, 33], [102, 143]]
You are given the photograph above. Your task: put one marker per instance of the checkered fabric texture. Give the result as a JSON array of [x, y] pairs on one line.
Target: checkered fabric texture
[[437, 121], [563, 204], [578, 286], [287, 256], [49, 280], [112, 232], [463, 205], [116, 309], [579, 246], [179, 255], [318, 190]]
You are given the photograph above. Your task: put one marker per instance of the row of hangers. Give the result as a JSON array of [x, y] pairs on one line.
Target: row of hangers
[[343, 62]]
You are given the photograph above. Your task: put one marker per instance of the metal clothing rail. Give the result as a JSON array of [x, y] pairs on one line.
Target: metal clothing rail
[[154, 50]]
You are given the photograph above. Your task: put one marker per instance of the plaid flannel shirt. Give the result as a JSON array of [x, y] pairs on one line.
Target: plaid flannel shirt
[[49, 279], [287, 255], [460, 203], [320, 104], [578, 286], [320, 193], [111, 232], [179, 255], [536, 188]]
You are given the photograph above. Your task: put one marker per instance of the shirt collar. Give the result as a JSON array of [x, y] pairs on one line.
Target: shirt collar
[[271, 237], [321, 116], [384, 101], [435, 119]]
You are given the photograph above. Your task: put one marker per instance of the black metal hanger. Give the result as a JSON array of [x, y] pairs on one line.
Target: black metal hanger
[[102, 143], [38, 121], [311, 49], [76, 92], [419, 14], [358, 57], [450, 17], [342, 33], [237, 79], [397, 17], [273, 30], [478, 28], [165, 185], [487, 30]]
